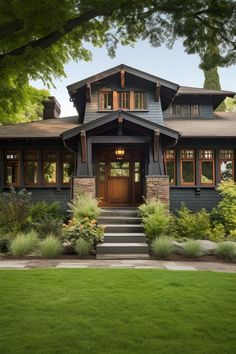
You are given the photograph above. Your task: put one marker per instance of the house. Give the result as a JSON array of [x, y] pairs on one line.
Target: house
[[135, 135]]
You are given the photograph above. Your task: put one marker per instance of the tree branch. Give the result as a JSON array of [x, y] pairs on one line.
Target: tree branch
[[9, 28]]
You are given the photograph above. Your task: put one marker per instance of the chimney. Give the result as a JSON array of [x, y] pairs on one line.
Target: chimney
[[52, 108]]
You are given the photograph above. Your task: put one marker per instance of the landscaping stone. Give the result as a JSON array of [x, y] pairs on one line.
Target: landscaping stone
[[208, 247], [178, 247]]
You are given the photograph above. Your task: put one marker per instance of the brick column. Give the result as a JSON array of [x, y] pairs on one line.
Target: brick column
[[158, 187], [84, 185]]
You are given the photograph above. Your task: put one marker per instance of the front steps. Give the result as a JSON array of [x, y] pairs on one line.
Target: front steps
[[123, 237]]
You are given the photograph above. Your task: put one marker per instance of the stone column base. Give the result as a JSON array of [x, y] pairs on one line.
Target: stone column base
[[84, 185], [158, 187]]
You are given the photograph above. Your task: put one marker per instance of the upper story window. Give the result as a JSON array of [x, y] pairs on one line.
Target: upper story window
[[106, 100], [124, 100], [140, 100], [12, 168], [226, 164], [185, 110]]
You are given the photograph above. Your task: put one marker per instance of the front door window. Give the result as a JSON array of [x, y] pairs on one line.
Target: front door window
[[119, 169]]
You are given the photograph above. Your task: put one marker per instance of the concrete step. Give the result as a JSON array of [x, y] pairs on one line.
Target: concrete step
[[124, 237], [123, 248], [119, 219], [119, 228], [123, 256], [120, 212]]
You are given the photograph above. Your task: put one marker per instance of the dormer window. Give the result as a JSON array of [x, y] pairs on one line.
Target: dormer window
[[185, 110], [106, 100], [140, 100], [124, 100]]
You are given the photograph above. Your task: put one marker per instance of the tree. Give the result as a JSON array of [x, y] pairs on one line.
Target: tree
[[230, 104], [38, 37], [212, 82]]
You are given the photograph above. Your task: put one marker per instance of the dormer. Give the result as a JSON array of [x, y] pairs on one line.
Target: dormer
[[122, 88]]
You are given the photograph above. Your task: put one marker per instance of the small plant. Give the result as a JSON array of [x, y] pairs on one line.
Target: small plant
[[232, 235], [85, 206], [50, 247], [156, 225], [162, 247], [226, 250], [82, 247], [152, 206], [217, 234], [24, 244], [192, 249]]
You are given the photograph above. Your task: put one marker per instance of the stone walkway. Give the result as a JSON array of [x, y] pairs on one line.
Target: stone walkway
[[136, 264]]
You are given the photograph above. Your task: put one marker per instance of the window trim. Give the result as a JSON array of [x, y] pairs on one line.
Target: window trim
[[166, 159], [193, 160], [226, 159], [6, 161], [204, 159], [32, 160]]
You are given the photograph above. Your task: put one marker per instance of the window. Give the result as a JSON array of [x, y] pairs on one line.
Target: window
[[50, 167], [187, 166], [106, 100], [207, 175], [67, 166], [226, 164], [124, 100], [185, 110], [140, 100], [170, 165], [12, 168], [137, 171], [31, 167], [119, 169]]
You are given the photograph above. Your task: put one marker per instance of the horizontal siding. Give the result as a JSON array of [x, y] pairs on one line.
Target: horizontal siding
[[206, 111], [208, 198]]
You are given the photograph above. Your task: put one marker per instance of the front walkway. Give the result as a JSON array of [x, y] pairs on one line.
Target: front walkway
[[136, 264]]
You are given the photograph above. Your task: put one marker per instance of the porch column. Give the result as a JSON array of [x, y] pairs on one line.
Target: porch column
[[157, 186]]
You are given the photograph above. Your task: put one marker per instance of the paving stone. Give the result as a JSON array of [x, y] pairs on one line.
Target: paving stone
[[179, 267], [12, 264], [72, 265]]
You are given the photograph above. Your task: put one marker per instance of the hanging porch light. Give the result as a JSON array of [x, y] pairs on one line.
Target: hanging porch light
[[119, 152]]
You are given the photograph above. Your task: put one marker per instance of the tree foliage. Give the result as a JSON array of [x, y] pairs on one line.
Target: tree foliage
[[212, 82], [38, 37]]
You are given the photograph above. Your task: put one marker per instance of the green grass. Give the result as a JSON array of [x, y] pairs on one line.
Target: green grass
[[112, 311]]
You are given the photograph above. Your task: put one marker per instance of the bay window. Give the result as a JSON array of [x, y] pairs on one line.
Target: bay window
[[207, 168], [187, 166], [226, 164]]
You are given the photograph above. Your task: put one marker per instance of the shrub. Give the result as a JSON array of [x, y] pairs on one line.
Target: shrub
[[226, 250], [85, 206], [5, 243], [50, 247], [24, 244], [232, 235], [82, 247], [39, 210], [192, 249], [162, 247], [14, 211], [47, 226], [192, 225], [152, 206], [156, 225], [225, 212], [218, 233]]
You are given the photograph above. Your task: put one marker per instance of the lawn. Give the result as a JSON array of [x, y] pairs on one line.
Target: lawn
[[117, 311]]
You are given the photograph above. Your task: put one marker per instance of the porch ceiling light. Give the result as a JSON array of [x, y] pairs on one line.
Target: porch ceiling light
[[119, 152]]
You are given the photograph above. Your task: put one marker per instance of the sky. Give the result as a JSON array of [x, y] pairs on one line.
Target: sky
[[170, 64]]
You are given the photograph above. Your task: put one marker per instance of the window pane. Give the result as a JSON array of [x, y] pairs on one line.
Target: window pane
[[170, 154], [195, 110], [50, 155], [226, 154], [185, 110], [50, 172], [187, 171], [137, 171], [207, 172], [67, 170], [176, 111], [187, 154], [31, 172], [206, 154], [140, 101], [101, 171], [31, 155], [170, 170], [226, 170], [119, 169], [106, 100], [12, 155], [123, 99], [12, 176], [120, 164]]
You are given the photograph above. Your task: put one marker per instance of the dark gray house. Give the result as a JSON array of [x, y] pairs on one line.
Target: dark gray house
[[135, 135]]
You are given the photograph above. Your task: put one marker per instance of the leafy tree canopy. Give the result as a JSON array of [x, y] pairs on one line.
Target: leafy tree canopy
[[212, 82], [38, 37]]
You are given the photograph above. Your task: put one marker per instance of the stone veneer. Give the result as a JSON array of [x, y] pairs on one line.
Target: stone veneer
[[85, 185], [158, 187]]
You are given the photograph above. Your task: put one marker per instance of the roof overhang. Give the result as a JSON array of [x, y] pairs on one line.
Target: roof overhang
[[126, 116]]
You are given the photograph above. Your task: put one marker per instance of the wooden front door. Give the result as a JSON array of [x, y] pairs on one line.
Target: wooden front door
[[119, 182]]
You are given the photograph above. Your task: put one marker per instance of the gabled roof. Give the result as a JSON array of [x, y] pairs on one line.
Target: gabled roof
[[222, 125], [50, 128], [126, 116], [116, 69]]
